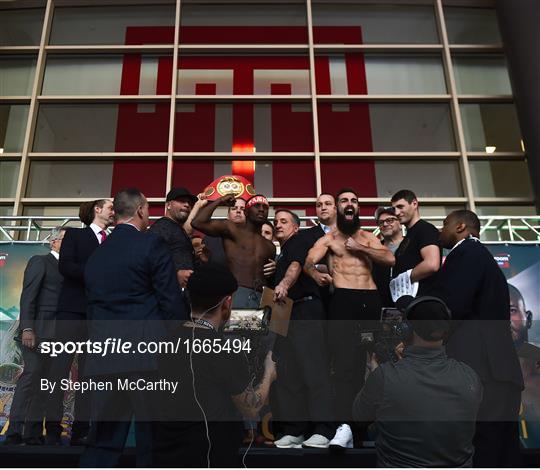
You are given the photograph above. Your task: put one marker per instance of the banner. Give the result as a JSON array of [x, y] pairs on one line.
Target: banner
[[521, 266]]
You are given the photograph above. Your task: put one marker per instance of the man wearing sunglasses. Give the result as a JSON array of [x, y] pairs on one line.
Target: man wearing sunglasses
[[392, 234]]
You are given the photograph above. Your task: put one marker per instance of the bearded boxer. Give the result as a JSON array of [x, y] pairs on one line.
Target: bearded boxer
[[247, 251], [351, 252]]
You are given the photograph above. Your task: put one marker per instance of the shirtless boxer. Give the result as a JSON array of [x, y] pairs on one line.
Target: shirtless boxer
[[246, 250], [351, 252]]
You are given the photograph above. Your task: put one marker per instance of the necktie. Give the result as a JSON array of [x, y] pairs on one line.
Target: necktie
[[103, 234]]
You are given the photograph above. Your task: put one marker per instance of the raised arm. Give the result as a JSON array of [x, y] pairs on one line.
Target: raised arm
[[317, 253], [215, 228], [374, 249], [201, 202]]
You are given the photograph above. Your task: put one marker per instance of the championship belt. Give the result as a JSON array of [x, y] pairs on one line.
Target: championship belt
[[238, 186]]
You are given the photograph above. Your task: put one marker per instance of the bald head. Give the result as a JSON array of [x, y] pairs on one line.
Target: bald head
[[458, 225]]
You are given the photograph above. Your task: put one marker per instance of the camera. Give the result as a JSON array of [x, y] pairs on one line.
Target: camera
[[383, 337]]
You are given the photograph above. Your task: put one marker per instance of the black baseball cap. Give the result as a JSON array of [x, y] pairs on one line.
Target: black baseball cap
[[212, 279], [175, 193], [384, 210]]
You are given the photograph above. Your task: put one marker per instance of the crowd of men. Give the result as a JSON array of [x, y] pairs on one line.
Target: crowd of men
[[450, 398]]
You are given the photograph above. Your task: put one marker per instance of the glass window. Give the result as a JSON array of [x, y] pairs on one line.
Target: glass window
[[128, 127], [278, 178], [226, 127], [130, 74], [423, 176], [501, 179], [9, 172], [472, 25], [16, 75], [481, 75], [21, 27], [505, 210], [340, 23], [149, 175], [392, 127], [69, 179], [436, 214], [342, 74], [260, 74], [243, 23], [6, 210], [113, 25], [13, 119], [491, 127]]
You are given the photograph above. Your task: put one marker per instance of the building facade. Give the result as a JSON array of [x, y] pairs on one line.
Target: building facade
[[299, 96]]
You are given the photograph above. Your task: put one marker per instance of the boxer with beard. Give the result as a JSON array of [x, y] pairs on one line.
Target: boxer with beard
[[354, 305]]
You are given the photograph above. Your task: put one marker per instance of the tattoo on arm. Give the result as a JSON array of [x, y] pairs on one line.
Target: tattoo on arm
[[252, 398]]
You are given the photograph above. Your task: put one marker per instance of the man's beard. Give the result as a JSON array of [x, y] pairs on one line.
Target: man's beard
[[348, 227], [519, 337]]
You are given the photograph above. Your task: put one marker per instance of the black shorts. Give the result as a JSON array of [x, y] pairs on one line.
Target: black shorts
[[355, 305]]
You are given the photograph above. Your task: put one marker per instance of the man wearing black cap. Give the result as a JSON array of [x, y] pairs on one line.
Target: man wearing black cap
[[179, 203], [425, 404], [201, 426]]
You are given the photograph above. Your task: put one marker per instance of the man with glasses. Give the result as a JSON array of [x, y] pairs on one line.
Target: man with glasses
[[392, 235], [390, 227]]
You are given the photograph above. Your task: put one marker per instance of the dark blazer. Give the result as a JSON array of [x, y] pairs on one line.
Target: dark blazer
[[39, 298], [77, 246], [132, 287], [475, 289], [311, 235]]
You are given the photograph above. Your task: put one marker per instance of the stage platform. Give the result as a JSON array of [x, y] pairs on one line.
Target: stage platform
[[65, 456]]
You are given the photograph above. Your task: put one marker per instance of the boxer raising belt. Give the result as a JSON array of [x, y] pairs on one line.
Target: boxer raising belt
[[245, 248], [355, 301]]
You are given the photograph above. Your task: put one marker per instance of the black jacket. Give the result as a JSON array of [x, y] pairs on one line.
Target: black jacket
[[475, 289], [132, 288], [39, 297], [77, 246]]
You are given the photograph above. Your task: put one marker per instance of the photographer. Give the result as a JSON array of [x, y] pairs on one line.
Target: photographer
[[201, 425], [425, 404]]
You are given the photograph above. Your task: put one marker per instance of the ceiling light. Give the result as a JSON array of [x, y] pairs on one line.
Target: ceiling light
[[490, 149]]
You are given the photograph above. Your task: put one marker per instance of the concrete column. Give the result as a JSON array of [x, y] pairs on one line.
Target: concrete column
[[519, 22]]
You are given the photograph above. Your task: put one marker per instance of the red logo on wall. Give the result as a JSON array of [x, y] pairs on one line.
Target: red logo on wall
[[288, 127]]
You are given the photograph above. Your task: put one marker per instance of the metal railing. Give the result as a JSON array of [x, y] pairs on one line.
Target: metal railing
[[495, 229]]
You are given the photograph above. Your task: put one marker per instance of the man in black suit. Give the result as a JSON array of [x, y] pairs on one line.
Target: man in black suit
[[475, 289], [132, 289], [326, 211], [77, 247], [41, 286]]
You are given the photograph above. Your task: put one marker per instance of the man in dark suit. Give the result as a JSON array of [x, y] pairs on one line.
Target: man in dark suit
[[475, 289], [77, 247], [326, 211], [41, 286], [132, 289]]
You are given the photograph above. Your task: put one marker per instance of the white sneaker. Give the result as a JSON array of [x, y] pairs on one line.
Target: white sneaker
[[318, 441], [343, 438], [289, 442]]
